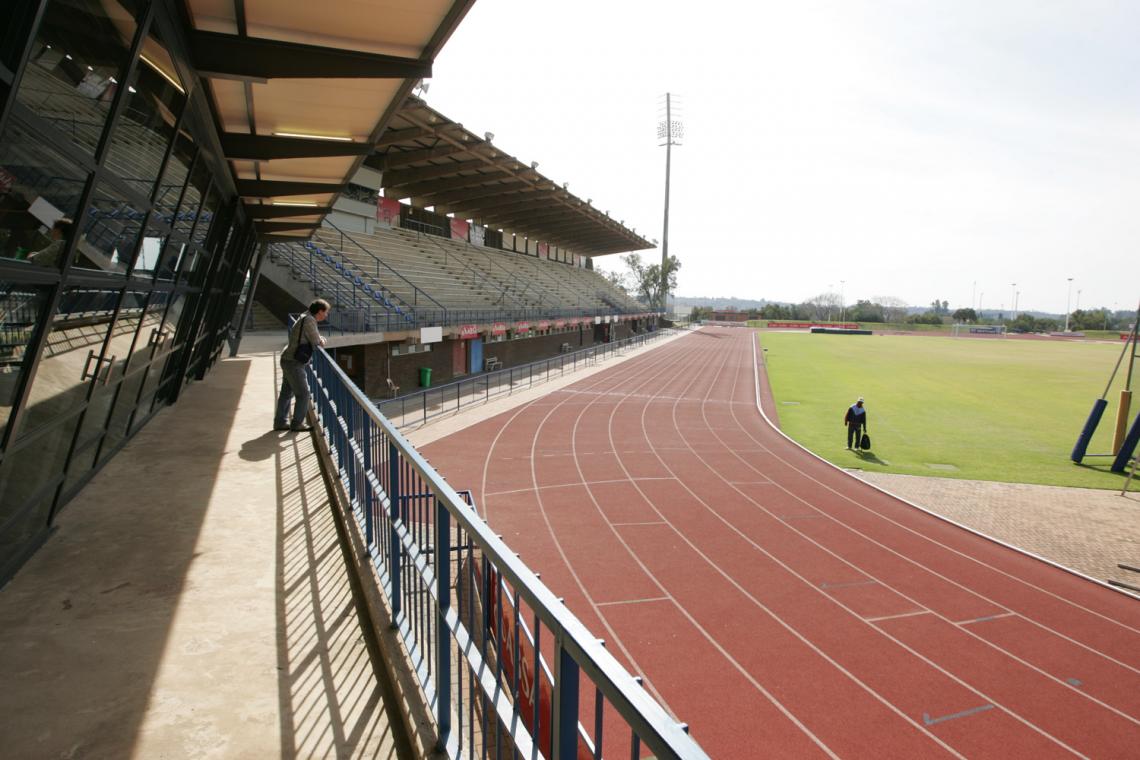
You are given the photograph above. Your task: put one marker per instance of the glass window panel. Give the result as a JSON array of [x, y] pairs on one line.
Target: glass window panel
[[116, 356], [150, 252], [161, 343], [38, 188], [188, 211], [154, 99], [209, 212], [70, 356], [20, 310], [78, 57], [19, 526], [109, 232], [177, 169], [31, 468]]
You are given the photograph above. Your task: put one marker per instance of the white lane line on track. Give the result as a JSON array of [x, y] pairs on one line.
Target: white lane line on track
[[1012, 656], [985, 619], [637, 601], [895, 617], [681, 608], [636, 365], [531, 489], [768, 611], [812, 586], [957, 552], [629, 524]]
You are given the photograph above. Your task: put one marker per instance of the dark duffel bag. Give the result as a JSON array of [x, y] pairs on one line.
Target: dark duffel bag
[[865, 442]]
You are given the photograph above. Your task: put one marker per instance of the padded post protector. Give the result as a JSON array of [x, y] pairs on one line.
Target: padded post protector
[[1129, 446], [1087, 432]]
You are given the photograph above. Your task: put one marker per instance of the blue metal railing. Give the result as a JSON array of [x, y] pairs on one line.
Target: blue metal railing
[[479, 626], [420, 407]]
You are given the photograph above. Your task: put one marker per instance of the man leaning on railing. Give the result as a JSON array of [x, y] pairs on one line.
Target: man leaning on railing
[[304, 338]]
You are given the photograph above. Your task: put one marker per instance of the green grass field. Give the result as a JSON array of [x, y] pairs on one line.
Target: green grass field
[[983, 409]]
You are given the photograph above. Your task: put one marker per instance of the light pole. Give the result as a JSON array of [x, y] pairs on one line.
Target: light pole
[[670, 130], [1013, 299], [842, 301], [980, 297], [1068, 297], [1078, 306], [973, 292]]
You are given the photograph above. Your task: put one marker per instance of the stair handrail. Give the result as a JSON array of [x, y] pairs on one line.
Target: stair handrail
[[416, 289], [502, 293]]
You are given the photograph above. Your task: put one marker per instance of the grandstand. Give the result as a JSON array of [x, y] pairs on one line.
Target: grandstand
[[481, 243]]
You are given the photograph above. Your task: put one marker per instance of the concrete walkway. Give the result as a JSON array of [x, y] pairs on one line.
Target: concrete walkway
[[1088, 530], [194, 601]]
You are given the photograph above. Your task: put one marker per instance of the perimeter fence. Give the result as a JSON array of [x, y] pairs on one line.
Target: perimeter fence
[[505, 669], [421, 407]]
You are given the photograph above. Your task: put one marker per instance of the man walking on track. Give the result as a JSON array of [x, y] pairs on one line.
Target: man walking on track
[[856, 422], [304, 337]]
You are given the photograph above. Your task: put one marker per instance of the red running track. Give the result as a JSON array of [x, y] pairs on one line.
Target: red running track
[[778, 605]]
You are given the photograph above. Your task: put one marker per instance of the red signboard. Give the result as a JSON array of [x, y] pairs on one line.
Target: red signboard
[[544, 325], [521, 327], [559, 323], [808, 325], [388, 211], [459, 229], [468, 331], [499, 328], [544, 250]]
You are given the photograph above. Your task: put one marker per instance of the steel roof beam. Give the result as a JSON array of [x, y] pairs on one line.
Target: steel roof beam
[[267, 148], [396, 159], [231, 56], [262, 188], [271, 227], [262, 211], [419, 174], [394, 136], [416, 190]]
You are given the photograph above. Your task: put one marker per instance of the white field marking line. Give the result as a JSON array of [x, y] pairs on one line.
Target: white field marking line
[[638, 601], [632, 524], [997, 648], [666, 365], [531, 489], [985, 619], [783, 623], [681, 608], [636, 361], [895, 617], [863, 507]]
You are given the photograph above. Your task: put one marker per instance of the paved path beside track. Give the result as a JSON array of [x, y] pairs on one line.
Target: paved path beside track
[[778, 605], [194, 601]]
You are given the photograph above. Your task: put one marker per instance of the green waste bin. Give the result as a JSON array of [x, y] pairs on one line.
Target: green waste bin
[[425, 377]]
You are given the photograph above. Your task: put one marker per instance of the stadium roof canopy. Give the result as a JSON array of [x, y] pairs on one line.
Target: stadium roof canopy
[[434, 161], [302, 90]]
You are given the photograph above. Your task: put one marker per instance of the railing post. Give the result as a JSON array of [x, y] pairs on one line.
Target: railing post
[[369, 496], [442, 639], [394, 559], [565, 704]]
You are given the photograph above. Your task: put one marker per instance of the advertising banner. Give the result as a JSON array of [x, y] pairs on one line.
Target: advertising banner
[[499, 328], [459, 229], [522, 327], [544, 250], [388, 212], [544, 325], [478, 234], [466, 332], [559, 323]]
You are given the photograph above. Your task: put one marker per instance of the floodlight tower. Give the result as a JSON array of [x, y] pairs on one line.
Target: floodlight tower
[[671, 131], [1068, 300], [1013, 299]]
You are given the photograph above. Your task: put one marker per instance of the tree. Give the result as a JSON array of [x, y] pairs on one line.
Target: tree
[[965, 315], [617, 279], [700, 312], [645, 281], [894, 309], [940, 307], [866, 311], [822, 307]]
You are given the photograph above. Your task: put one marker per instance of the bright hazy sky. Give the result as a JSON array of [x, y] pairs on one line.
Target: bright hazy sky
[[909, 148]]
